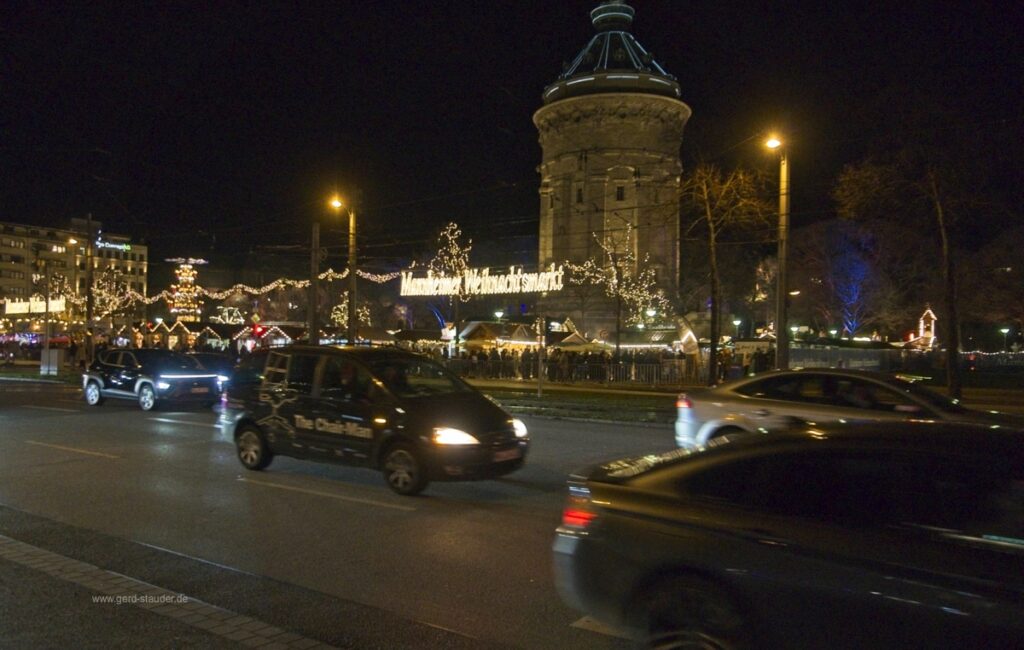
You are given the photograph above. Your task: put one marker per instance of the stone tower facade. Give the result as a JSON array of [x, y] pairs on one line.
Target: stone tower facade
[[611, 128]]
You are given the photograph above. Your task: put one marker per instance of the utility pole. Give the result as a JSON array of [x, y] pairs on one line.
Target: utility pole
[[541, 333], [353, 319], [314, 286], [89, 341]]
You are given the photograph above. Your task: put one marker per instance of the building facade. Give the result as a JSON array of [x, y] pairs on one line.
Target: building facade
[[28, 252], [611, 129]]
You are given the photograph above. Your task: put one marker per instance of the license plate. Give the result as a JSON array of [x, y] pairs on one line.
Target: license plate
[[507, 454], [200, 389]]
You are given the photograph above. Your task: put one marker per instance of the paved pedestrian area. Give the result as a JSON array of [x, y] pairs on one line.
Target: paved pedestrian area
[[114, 589]]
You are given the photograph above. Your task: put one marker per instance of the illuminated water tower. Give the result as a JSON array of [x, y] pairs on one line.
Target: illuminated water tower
[[611, 128]]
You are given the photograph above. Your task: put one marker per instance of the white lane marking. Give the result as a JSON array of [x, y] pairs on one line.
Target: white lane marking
[[50, 408], [590, 625], [195, 424], [369, 502], [74, 449]]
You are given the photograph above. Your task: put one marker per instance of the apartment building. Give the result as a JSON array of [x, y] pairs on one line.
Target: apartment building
[[27, 251]]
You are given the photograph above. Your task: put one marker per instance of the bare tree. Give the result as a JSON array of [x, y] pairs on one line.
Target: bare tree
[[719, 203], [630, 282], [922, 184]]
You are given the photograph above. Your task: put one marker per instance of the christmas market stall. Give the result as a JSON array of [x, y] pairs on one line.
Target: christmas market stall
[[215, 337], [260, 335], [426, 341]]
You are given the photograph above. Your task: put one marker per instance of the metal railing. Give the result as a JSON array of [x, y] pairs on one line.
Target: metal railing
[[667, 372]]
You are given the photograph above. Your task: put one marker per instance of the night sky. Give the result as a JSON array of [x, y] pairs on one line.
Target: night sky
[[220, 126]]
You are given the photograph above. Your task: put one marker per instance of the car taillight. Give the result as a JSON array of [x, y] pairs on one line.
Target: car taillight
[[578, 512], [683, 402]]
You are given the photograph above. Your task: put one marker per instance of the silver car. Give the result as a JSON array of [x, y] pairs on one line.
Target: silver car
[[775, 400]]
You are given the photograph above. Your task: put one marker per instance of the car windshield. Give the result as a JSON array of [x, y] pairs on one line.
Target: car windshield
[[927, 395], [412, 377], [167, 360]]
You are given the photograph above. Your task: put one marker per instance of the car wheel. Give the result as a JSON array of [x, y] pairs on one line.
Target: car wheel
[[726, 431], [403, 470], [691, 613], [252, 449], [93, 396], [147, 397]]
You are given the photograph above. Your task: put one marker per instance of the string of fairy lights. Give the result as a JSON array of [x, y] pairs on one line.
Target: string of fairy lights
[[186, 300]]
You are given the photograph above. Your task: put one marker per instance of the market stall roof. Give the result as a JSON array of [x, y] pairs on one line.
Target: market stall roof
[[375, 335], [648, 338], [221, 330], [419, 335], [574, 339], [480, 332]]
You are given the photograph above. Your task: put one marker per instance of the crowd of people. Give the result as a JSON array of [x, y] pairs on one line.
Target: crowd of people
[[648, 365]]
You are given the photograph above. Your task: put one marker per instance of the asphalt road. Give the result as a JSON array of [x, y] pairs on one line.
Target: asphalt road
[[299, 554]]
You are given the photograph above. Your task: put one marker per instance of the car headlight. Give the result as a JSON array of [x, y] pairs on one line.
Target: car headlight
[[448, 436], [223, 379], [163, 385], [519, 428]]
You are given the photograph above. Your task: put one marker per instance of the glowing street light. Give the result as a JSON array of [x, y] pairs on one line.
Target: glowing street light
[[737, 323], [833, 333], [781, 340], [1005, 331], [498, 314]]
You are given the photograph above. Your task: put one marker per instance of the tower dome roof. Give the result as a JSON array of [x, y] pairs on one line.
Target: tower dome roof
[[613, 61]]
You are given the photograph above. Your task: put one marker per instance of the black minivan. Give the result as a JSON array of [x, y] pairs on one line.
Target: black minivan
[[381, 408]]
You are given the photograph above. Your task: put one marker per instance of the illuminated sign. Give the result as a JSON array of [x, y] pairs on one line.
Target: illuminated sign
[[476, 282], [111, 245], [33, 306]]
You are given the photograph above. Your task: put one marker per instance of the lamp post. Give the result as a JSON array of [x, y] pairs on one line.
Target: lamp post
[[90, 244], [737, 323], [498, 314], [1005, 331], [781, 335], [337, 204], [44, 357], [312, 313]]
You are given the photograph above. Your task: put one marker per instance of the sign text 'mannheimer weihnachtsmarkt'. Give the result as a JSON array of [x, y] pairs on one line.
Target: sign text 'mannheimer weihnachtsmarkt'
[[482, 282]]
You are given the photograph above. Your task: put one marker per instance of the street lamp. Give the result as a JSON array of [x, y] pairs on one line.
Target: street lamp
[[737, 324], [1005, 331], [781, 340], [337, 204], [498, 314], [833, 333]]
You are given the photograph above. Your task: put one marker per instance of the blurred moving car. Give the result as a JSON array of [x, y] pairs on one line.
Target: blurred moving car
[[386, 409], [776, 399], [869, 535], [150, 376], [218, 362]]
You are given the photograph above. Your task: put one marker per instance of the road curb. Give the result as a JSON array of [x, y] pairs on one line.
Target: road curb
[[569, 418]]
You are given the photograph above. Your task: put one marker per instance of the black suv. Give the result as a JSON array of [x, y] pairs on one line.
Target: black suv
[[865, 536], [381, 408], [151, 377]]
